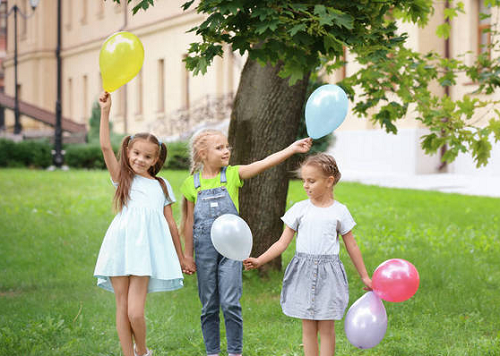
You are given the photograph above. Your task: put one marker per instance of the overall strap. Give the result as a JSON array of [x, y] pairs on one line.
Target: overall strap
[[197, 183], [223, 178], [196, 178]]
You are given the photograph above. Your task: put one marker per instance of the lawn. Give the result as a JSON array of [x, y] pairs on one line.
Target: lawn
[[52, 225]]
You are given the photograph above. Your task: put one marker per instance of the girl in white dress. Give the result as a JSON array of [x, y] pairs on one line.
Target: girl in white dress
[[141, 251]]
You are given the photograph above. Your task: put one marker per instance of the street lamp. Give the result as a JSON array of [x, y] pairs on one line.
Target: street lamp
[[15, 9], [58, 153]]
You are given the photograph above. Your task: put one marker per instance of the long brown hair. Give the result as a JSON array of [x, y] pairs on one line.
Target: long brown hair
[[122, 194]]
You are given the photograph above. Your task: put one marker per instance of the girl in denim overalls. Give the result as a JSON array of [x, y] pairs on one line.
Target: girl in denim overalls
[[210, 191]]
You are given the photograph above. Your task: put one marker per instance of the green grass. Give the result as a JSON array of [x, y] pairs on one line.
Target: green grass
[[52, 225]]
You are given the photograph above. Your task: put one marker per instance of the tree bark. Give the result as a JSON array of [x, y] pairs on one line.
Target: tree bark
[[265, 119]]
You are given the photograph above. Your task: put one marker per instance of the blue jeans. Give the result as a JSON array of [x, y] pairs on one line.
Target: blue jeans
[[219, 278]]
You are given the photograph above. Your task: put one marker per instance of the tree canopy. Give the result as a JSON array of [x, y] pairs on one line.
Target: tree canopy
[[393, 82]]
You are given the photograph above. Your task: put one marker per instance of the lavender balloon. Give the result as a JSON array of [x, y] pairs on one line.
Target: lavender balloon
[[366, 321]]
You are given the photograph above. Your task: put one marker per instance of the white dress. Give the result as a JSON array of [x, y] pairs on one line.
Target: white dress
[[138, 241]]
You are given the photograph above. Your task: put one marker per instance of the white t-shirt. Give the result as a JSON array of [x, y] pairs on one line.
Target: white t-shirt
[[318, 228]]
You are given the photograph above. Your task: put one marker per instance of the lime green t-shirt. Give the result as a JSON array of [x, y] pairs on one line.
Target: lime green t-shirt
[[234, 183]]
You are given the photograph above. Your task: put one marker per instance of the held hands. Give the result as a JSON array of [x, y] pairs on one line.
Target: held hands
[[105, 101], [188, 266], [251, 263], [301, 146]]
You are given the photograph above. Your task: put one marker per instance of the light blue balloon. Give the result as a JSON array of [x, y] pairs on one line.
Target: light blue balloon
[[326, 109]]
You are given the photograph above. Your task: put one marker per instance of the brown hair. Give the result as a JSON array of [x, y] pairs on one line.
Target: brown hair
[[122, 194], [325, 163]]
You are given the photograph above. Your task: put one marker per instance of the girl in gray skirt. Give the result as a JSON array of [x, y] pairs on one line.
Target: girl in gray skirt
[[315, 285]]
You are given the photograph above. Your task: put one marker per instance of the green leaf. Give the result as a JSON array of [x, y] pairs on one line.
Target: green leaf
[[330, 42], [343, 20], [495, 127], [443, 30], [481, 150], [297, 28]]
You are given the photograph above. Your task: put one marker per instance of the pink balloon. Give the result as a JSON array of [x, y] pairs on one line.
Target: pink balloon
[[395, 280]]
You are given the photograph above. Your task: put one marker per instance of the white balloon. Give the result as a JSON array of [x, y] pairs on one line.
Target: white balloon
[[232, 237]]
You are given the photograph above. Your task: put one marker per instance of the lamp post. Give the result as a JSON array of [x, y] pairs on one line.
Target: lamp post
[[15, 9], [58, 154]]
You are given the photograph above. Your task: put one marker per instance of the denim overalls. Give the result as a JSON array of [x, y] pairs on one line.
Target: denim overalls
[[219, 278]]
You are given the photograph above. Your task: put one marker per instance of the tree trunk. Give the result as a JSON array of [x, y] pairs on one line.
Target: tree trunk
[[265, 119]]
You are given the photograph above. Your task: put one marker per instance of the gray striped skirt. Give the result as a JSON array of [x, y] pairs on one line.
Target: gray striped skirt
[[315, 287]]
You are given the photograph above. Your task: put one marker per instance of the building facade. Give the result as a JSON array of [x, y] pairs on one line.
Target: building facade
[[363, 147], [166, 99]]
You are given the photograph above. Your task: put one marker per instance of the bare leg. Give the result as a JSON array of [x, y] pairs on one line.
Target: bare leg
[[138, 289], [121, 286], [310, 337], [327, 336]]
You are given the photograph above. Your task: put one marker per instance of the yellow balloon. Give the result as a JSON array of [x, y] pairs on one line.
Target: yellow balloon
[[120, 59]]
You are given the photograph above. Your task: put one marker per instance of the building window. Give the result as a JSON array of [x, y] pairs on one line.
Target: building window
[[185, 85], [344, 67], [84, 11], [68, 5], [161, 85], [118, 6], [70, 98], [484, 28], [24, 20], [117, 101], [99, 83], [3, 18], [139, 99], [100, 10], [230, 70], [85, 98]]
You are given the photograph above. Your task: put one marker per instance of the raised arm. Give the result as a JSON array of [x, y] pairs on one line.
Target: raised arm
[[356, 258], [252, 169], [274, 251], [106, 148]]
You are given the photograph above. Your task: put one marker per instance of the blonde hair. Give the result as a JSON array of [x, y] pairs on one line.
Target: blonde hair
[[198, 143], [325, 163]]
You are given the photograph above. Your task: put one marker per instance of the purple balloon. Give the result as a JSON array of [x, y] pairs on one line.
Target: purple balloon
[[366, 321]]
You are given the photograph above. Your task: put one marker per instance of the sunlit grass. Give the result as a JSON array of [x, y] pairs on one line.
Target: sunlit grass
[[52, 225]]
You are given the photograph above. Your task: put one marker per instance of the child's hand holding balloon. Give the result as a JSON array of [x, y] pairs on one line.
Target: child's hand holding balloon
[[105, 101], [302, 146]]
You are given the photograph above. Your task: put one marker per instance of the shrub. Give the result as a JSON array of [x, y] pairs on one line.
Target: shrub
[[36, 154], [178, 155], [84, 156]]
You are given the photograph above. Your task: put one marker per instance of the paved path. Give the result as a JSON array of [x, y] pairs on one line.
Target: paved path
[[446, 182]]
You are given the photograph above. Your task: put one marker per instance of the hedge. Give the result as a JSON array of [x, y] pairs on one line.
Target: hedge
[[33, 154], [37, 154]]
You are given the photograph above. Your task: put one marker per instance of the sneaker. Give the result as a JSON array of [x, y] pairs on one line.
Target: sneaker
[[148, 352]]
